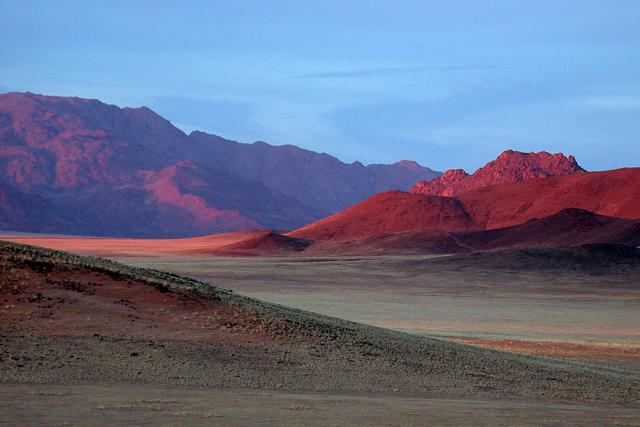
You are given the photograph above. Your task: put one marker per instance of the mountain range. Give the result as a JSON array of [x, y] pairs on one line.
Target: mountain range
[[578, 208], [80, 166]]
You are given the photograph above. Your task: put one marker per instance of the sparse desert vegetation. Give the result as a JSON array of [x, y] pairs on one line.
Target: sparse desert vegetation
[[540, 300]]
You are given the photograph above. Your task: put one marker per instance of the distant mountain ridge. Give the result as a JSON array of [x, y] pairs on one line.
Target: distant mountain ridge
[[79, 166], [510, 166], [318, 180]]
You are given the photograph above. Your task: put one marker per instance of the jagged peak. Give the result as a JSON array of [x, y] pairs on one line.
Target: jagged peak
[[509, 166]]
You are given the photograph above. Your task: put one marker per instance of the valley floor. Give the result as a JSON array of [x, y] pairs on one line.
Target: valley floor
[[587, 316], [112, 349], [135, 404]]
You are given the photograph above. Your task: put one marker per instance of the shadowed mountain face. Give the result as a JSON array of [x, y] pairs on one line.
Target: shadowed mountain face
[[317, 180], [71, 165], [568, 227], [510, 166]]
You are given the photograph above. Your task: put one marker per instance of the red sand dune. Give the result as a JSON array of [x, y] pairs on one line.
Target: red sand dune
[[387, 213], [611, 193], [266, 243]]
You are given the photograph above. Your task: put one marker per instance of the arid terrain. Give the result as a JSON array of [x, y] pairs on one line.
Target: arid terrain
[[109, 344], [536, 302]]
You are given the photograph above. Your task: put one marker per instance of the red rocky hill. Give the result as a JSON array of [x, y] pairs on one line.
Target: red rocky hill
[[612, 193], [510, 166]]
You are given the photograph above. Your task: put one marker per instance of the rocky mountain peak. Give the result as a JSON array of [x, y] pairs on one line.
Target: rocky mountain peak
[[510, 166]]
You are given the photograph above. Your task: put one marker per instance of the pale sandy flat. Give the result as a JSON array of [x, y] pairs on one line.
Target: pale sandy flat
[[113, 247], [102, 404]]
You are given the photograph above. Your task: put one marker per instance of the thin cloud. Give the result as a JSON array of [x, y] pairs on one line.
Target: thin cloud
[[613, 102], [375, 72]]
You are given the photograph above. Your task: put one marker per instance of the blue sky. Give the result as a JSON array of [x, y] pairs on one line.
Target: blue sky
[[450, 84]]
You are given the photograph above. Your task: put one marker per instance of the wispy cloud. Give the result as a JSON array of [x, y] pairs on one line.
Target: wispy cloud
[[613, 102], [375, 72]]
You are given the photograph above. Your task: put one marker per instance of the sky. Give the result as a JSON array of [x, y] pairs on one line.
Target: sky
[[449, 84]]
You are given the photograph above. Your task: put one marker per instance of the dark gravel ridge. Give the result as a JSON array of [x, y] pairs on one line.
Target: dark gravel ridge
[[39, 254], [481, 370]]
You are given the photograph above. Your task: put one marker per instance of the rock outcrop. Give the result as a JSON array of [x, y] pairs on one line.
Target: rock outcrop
[[510, 166]]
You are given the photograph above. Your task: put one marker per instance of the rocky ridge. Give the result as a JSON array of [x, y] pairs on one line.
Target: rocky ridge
[[510, 166]]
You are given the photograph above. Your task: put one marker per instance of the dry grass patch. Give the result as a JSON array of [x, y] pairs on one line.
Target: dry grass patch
[[128, 408], [197, 415]]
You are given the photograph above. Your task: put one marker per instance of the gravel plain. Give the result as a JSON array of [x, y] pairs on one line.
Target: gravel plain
[[74, 320]]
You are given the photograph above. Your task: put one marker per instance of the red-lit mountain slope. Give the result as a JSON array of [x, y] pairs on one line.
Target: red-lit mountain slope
[[387, 213], [510, 166], [612, 193]]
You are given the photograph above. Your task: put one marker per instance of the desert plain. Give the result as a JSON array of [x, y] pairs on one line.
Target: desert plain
[[564, 322]]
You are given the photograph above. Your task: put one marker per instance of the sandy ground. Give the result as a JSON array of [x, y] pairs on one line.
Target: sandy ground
[[81, 345], [101, 404], [534, 312], [193, 361], [591, 316]]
